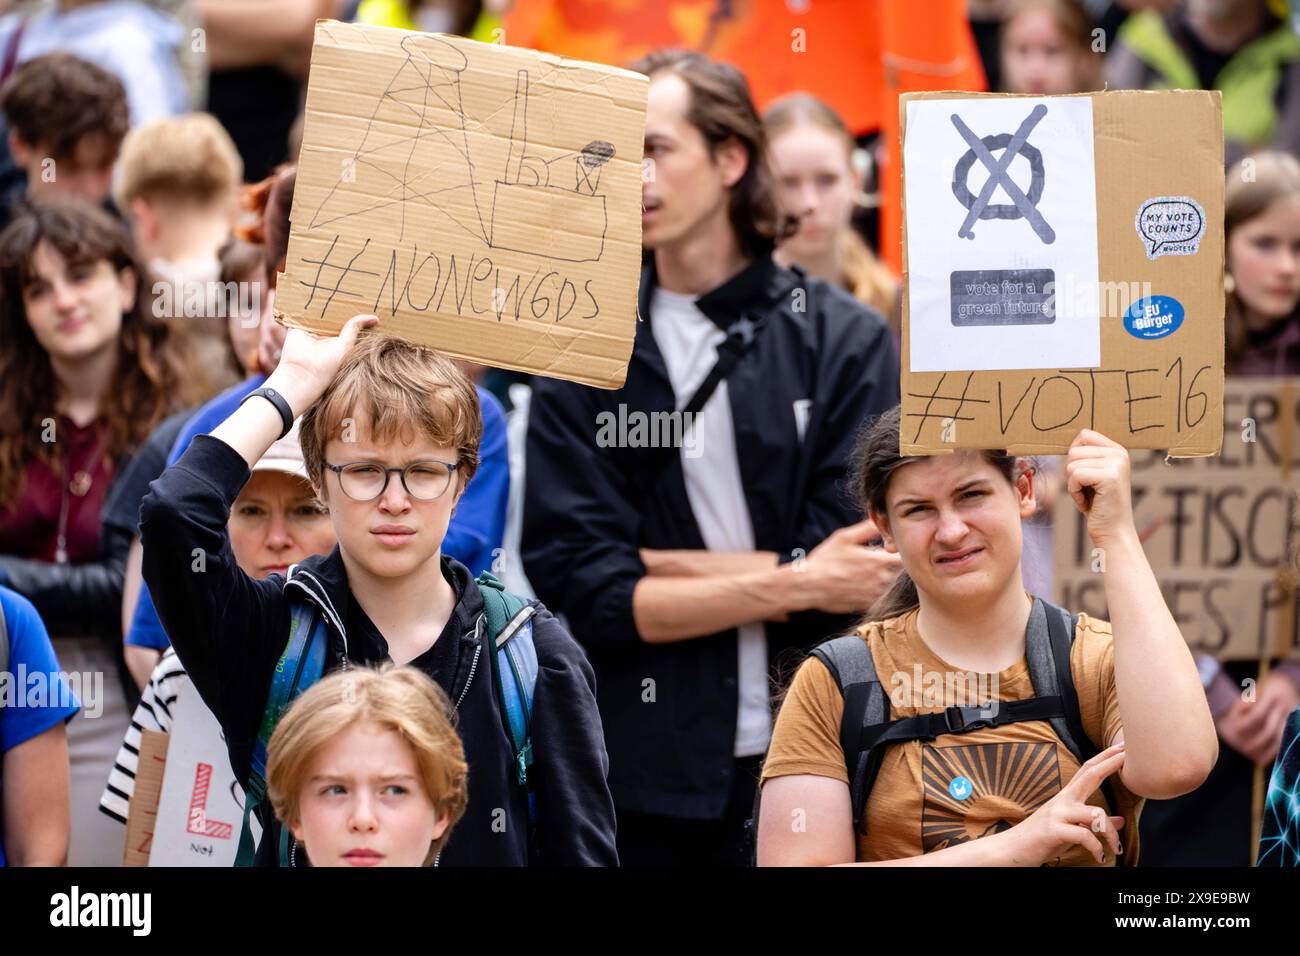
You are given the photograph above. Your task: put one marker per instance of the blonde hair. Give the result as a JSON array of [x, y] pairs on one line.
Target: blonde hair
[[400, 699], [405, 389], [189, 157], [869, 280]]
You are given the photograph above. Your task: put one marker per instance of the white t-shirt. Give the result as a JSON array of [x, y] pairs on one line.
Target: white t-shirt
[[689, 342]]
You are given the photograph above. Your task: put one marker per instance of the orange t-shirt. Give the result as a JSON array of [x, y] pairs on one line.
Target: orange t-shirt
[[959, 787]]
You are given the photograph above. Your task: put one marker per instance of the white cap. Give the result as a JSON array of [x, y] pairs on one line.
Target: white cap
[[285, 455]]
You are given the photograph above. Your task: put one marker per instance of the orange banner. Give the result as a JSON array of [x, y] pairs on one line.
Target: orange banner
[[857, 55]]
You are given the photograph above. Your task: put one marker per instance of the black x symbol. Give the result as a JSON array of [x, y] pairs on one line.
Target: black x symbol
[[1025, 206]]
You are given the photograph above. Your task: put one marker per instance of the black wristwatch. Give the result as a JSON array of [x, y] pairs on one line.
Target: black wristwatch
[[281, 405]]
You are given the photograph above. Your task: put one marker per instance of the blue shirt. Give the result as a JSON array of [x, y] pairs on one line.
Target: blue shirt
[[474, 534], [34, 694]]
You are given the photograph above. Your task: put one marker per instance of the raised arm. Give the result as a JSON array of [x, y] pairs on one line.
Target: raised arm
[[1172, 745]]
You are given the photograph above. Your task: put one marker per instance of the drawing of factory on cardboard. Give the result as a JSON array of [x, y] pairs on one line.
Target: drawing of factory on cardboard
[[426, 164]]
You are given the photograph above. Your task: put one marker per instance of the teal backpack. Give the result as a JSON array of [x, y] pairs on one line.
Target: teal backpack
[[514, 666]]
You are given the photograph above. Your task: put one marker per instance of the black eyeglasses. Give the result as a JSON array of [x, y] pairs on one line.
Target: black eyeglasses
[[424, 480]]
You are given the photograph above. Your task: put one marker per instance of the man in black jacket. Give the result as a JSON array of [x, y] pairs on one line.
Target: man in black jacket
[[692, 525], [390, 473]]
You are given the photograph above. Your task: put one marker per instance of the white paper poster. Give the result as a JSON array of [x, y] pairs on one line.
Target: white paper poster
[[200, 810], [1001, 234]]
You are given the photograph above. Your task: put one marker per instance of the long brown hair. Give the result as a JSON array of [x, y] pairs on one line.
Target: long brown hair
[[722, 109], [864, 275], [1275, 177], [874, 460], [154, 377]]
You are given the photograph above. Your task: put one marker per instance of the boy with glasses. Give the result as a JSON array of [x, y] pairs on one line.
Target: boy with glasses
[[390, 437]]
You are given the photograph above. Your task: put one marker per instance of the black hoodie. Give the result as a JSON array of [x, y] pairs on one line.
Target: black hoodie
[[230, 629]]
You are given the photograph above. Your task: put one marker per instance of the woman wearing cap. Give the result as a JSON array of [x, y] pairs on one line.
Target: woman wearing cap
[[276, 522]]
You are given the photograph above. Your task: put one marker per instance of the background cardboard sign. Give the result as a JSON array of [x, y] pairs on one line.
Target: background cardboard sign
[[200, 808], [481, 200], [1221, 533], [1149, 372], [150, 766]]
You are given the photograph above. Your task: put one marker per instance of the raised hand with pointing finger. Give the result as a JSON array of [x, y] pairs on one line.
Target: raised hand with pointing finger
[[1068, 820]]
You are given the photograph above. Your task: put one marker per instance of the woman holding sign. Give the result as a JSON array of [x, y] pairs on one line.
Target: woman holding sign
[[985, 726]]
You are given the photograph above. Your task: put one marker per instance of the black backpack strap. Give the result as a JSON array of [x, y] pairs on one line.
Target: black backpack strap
[[741, 335], [1059, 626], [1048, 638], [866, 707]]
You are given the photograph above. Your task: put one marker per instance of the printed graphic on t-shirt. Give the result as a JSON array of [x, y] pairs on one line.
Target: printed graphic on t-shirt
[[975, 790]]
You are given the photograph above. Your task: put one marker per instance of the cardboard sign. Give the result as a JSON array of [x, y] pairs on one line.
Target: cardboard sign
[[1063, 270], [200, 808], [150, 766], [481, 200], [1222, 534]]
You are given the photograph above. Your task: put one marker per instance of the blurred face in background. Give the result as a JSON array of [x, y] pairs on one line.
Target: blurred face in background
[[86, 172], [1263, 257], [1038, 58], [685, 184], [75, 308], [817, 183], [276, 521]]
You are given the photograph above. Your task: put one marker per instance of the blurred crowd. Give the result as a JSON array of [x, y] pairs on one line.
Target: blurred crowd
[[146, 182]]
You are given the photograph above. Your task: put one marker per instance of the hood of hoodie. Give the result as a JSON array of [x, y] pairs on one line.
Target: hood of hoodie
[[322, 579]]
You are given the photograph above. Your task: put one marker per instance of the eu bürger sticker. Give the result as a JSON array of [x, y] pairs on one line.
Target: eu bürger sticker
[[1170, 226]]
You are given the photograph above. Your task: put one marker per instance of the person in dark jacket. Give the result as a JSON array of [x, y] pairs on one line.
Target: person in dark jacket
[[695, 555], [389, 447]]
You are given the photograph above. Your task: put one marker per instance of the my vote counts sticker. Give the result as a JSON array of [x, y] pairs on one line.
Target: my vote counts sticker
[[1170, 226]]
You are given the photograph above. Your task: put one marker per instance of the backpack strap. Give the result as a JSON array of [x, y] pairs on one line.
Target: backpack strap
[[300, 666], [1047, 646], [866, 705], [1048, 638], [513, 655]]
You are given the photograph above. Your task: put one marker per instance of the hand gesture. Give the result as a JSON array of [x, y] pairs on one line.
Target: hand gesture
[[845, 573], [1067, 820], [1254, 728]]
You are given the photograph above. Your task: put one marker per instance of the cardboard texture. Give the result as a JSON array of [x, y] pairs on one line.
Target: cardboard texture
[[1222, 534], [1159, 222], [200, 808], [150, 767], [481, 200]]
